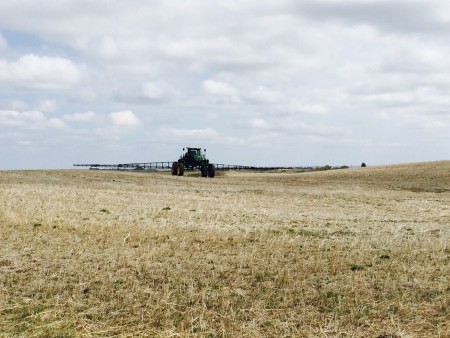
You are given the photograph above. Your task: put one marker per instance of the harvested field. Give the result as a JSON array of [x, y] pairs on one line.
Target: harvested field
[[342, 253]]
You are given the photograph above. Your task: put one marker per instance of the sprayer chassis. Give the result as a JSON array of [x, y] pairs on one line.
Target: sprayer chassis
[[193, 159]]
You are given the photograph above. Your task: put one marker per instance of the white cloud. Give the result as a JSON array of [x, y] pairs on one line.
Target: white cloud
[[222, 91], [296, 105], [10, 117], [32, 119], [57, 123], [382, 115], [152, 91], [80, 117], [219, 88], [40, 72], [202, 136], [47, 105], [265, 95], [108, 48], [148, 92], [290, 126], [33, 116], [421, 122], [84, 96], [195, 135], [15, 104], [125, 119], [255, 123]]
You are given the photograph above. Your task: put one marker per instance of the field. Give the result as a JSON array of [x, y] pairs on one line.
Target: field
[[359, 252]]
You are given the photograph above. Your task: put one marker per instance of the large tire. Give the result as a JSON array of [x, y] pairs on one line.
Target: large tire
[[204, 172], [211, 170], [175, 168], [180, 169]]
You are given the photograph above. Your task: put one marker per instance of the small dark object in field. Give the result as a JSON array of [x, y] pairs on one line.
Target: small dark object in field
[[259, 277], [356, 267], [5, 262], [363, 165]]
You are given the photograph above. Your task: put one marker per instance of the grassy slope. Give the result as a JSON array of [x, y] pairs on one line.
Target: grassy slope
[[358, 253]]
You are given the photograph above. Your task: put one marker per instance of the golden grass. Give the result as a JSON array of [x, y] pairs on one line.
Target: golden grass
[[344, 253]]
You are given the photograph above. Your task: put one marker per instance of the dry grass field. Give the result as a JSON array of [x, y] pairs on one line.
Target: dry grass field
[[344, 253]]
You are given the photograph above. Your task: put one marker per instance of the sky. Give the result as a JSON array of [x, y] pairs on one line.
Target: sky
[[254, 82]]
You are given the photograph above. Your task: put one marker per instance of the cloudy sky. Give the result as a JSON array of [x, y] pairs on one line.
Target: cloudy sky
[[255, 82]]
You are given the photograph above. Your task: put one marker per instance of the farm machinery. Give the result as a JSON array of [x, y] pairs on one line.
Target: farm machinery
[[194, 159]]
